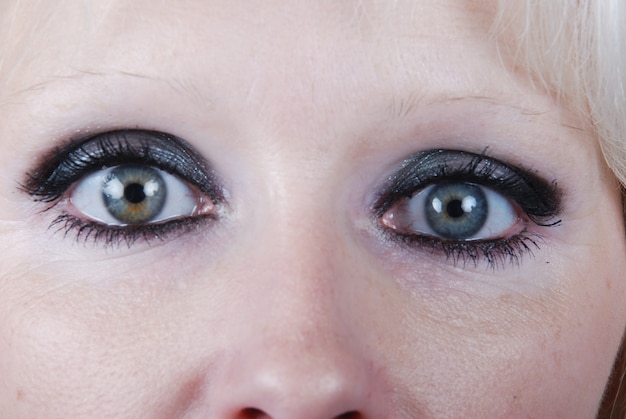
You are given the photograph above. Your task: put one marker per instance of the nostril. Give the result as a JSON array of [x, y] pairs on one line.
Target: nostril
[[253, 413], [350, 415]]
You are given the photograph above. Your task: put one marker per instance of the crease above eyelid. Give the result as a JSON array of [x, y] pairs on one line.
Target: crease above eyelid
[[431, 166], [75, 160]]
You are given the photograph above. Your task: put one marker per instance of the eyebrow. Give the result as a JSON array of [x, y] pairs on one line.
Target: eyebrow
[[403, 106], [181, 86]]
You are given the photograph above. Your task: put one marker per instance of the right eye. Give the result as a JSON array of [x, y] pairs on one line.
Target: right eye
[[127, 185], [135, 195]]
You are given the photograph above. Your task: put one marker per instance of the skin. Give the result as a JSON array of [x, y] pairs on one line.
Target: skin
[[293, 304]]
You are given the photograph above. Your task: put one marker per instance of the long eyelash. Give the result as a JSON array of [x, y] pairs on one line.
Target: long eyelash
[[58, 171], [114, 236], [540, 200], [496, 253], [435, 166], [68, 164]]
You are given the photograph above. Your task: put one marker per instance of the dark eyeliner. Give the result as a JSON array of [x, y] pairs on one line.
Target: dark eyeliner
[[539, 199], [63, 167], [68, 164]]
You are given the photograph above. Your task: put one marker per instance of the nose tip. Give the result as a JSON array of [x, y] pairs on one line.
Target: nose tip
[[276, 394], [313, 383]]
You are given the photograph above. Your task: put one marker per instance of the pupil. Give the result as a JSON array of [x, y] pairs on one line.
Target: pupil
[[134, 193], [454, 208]]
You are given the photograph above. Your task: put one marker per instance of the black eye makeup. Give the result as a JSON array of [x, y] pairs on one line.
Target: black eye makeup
[[121, 186], [468, 207]]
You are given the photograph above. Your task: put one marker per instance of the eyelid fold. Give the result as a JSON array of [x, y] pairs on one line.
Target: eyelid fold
[[539, 199], [58, 173], [68, 164]]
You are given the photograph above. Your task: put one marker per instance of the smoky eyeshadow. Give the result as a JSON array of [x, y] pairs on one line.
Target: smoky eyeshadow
[[540, 199], [59, 169]]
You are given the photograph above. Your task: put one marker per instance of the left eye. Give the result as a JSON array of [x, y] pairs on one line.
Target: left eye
[[133, 195], [455, 211]]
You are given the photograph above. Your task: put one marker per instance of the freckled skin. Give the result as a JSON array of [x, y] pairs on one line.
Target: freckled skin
[[291, 303]]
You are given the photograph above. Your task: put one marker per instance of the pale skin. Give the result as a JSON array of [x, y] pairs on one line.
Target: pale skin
[[292, 304]]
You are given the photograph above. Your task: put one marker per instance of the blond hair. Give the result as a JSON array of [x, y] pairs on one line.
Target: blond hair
[[576, 50]]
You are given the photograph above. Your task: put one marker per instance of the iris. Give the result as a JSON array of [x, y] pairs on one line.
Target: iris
[[134, 194], [456, 211]]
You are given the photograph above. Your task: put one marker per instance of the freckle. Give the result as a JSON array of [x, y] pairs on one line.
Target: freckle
[[19, 395], [506, 298]]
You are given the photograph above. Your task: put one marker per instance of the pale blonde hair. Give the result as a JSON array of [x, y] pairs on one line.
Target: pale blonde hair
[[576, 50]]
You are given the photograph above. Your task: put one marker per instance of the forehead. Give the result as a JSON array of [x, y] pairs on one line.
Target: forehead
[[256, 40], [326, 73]]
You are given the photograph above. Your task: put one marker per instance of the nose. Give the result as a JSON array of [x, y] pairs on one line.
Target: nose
[[301, 346], [301, 382]]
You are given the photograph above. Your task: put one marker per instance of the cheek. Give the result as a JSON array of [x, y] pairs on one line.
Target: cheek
[[94, 351], [469, 357], [543, 352]]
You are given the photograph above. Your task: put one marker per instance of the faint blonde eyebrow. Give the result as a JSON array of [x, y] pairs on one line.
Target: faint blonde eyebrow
[[403, 106], [183, 87]]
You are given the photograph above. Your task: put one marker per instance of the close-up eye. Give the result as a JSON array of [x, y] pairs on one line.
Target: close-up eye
[[455, 211], [126, 185], [134, 194], [467, 206]]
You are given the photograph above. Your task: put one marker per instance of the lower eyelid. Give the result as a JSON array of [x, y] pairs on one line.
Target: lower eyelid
[[87, 231], [494, 255]]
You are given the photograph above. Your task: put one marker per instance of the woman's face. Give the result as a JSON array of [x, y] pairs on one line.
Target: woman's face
[[363, 213]]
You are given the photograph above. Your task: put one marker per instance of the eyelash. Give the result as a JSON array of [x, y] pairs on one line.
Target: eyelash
[[128, 235], [57, 173], [538, 199]]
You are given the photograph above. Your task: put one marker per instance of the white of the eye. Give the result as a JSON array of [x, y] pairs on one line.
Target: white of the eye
[[501, 215], [86, 197]]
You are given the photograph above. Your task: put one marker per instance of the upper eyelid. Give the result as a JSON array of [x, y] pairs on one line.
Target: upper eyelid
[[426, 167], [79, 157]]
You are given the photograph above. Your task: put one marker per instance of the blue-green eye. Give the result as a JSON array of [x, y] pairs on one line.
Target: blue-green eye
[[456, 211], [134, 195]]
